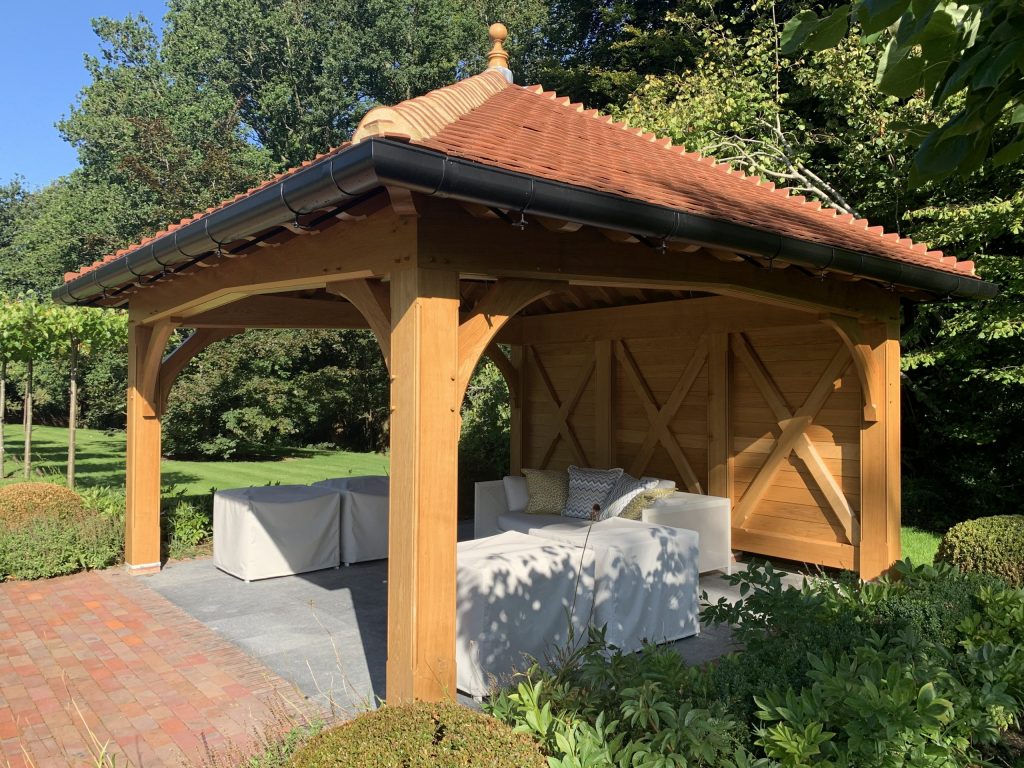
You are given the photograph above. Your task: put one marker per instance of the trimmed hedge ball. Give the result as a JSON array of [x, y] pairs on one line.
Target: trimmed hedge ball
[[421, 735], [992, 545], [21, 503]]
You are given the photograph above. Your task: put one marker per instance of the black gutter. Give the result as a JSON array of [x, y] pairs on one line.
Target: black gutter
[[374, 163]]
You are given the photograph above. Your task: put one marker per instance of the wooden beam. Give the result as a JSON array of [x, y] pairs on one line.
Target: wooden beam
[[880, 457], [424, 472], [368, 248], [501, 301], [174, 363], [562, 428], [853, 336], [270, 311], [802, 550], [720, 455], [604, 416], [793, 438], [515, 419], [659, 417], [142, 478], [661, 319], [587, 256], [372, 299]]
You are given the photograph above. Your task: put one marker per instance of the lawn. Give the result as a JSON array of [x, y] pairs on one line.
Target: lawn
[[101, 463]]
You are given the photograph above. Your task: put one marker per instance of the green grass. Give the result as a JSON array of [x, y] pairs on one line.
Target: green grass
[[918, 545], [101, 462]]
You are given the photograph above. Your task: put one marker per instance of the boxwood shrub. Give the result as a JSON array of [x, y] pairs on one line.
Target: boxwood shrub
[[992, 545], [48, 530], [421, 735]]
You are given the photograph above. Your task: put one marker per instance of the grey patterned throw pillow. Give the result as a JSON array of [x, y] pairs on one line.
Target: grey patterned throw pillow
[[588, 487]]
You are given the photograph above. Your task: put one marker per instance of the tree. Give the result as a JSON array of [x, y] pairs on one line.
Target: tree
[[967, 56], [28, 336], [78, 332]]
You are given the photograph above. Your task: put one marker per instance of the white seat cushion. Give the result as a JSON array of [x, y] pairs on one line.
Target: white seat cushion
[[516, 494], [522, 522]]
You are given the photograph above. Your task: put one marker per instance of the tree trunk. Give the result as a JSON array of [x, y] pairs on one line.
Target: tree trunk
[[28, 420], [72, 413], [3, 413]]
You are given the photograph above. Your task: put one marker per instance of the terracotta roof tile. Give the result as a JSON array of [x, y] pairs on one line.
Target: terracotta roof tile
[[485, 119]]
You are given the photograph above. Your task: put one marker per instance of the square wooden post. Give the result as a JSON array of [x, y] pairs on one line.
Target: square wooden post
[[142, 521], [424, 473], [880, 455], [720, 450]]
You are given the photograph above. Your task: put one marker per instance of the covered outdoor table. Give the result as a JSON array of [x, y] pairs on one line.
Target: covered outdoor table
[[276, 530], [364, 516], [516, 594], [646, 576]]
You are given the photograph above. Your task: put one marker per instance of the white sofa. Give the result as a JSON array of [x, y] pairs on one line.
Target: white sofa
[[499, 505], [364, 516]]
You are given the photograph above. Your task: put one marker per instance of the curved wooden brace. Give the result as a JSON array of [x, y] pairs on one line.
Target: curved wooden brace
[[853, 336], [373, 299], [174, 363], [502, 301], [508, 372], [149, 370]]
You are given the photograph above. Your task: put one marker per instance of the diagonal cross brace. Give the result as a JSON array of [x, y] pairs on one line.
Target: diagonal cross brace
[[794, 437]]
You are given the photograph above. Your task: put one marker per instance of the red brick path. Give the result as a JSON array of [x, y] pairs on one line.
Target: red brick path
[[147, 677]]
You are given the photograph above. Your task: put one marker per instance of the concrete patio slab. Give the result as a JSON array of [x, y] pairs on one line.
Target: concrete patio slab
[[326, 632]]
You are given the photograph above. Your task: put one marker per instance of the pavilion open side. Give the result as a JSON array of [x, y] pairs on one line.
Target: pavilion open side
[[661, 313]]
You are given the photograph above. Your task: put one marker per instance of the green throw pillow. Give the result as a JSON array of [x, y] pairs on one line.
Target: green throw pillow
[[634, 510], [548, 490]]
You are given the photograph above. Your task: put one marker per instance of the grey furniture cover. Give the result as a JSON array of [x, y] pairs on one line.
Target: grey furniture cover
[[276, 530]]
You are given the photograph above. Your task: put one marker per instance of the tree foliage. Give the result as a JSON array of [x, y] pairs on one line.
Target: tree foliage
[[968, 56]]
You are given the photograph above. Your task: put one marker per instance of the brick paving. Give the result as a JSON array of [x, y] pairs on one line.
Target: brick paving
[[161, 688]]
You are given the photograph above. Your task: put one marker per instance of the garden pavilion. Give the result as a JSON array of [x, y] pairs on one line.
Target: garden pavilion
[[663, 313]]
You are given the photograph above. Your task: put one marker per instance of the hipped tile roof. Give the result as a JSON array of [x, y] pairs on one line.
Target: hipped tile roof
[[487, 120]]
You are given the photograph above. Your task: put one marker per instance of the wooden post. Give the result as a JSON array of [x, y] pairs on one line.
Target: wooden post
[[880, 456], [604, 435], [142, 522], [720, 460], [424, 473], [515, 418]]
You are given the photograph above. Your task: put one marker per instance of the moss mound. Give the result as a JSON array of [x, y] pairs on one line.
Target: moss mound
[[21, 503], [421, 735], [992, 545]]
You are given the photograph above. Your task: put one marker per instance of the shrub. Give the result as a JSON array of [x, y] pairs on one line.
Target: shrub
[[185, 526], [47, 530], [993, 545], [420, 735]]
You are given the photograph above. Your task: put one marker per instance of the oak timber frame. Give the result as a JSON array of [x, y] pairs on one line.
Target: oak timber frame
[[705, 385]]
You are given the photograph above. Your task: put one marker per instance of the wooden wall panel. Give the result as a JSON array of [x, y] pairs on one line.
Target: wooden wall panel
[[788, 406]]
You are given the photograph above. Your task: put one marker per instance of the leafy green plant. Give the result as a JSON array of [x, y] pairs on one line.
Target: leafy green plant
[[420, 735], [992, 545], [186, 524], [47, 530]]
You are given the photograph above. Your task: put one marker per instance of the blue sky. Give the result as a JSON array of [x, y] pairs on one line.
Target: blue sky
[[41, 73]]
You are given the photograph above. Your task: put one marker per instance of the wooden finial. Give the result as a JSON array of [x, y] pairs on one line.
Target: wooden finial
[[498, 56]]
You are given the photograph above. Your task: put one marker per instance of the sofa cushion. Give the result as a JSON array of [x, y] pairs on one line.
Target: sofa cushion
[[634, 510], [624, 491], [548, 490], [522, 522], [517, 495], [588, 487]]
